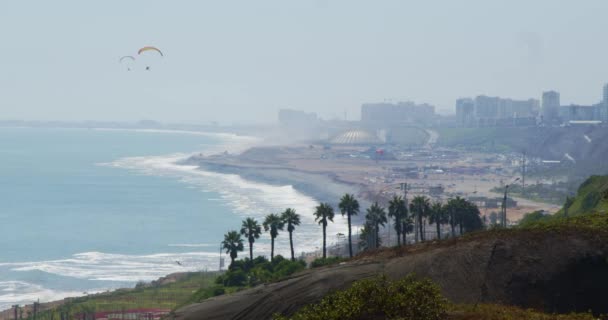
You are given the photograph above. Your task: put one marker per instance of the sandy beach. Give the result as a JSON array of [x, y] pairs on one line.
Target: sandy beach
[[327, 174]]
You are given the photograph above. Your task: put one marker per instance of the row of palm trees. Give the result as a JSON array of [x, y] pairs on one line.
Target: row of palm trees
[[457, 212], [251, 230]]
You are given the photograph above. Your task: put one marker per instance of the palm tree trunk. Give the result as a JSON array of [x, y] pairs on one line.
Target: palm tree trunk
[[438, 231], [398, 223], [404, 233], [251, 250], [271, 248], [350, 241], [452, 225], [460, 227], [420, 226], [324, 245], [291, 245], [377, 235]]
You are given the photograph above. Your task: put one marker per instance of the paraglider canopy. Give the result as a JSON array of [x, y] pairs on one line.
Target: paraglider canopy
[[126, 58], [144, 49]]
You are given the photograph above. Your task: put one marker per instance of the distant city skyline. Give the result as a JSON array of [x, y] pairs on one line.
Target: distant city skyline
[[242, 61]]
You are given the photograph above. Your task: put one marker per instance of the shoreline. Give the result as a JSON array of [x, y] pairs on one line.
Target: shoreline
[[322, 187]]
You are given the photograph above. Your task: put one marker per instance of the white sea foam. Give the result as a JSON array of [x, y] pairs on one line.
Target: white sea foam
[[20, 292], [119, 267], [246, 198], [192, 245]]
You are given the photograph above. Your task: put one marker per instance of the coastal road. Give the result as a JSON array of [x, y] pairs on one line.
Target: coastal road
[[433, 137]]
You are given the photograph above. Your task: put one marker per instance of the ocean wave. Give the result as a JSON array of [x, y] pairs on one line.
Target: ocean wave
[[245, 198], [20, 292], [119, 267], [192, 245]]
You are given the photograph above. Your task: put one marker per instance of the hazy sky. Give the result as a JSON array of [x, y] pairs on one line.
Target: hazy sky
[[229, 60]]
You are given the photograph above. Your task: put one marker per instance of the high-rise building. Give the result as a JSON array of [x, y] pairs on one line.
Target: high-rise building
[[495, 108], [465, 111], [550, 107], [397, 113], [486, 107]]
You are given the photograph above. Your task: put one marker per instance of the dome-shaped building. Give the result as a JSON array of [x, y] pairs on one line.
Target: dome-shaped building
[[355, 137]]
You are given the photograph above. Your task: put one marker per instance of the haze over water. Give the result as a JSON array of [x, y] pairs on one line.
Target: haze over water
[[89, 210]]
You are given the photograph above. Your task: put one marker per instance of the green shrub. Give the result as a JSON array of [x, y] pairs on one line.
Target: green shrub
[[533, 217], [217, 291], [288, 267], [248, 273], [205, 293], [235, 278], [320, 262], [379, 298]]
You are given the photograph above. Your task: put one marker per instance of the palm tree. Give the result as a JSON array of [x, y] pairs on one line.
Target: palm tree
[[470, 219], [251, 230], [454, 208], [291, 219], [376, 217], [407, 226], [420, 207], [398, 211], [349, 206], [438, 216], [273, 223], [232, 244], [323, 213]]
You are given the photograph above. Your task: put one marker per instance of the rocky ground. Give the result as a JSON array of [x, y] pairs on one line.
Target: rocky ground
[[551, 271]]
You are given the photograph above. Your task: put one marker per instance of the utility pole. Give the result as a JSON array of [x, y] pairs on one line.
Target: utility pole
[[523, 174], [416, 231], [404, 188], [221, 262], [504, 208]]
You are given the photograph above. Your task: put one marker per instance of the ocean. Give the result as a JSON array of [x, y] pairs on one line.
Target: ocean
[[90, 210]]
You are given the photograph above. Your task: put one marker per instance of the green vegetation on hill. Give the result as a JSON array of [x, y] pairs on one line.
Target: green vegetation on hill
[[500, 312], [591, 197], [171, 294], [412, 299], [379, 298], [245, 272]]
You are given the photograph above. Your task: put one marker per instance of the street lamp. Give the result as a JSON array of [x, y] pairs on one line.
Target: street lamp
[[221, 259], [504, 205]]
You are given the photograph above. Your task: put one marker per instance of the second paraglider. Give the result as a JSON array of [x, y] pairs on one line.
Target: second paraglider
[[128, 61], [152, 50]]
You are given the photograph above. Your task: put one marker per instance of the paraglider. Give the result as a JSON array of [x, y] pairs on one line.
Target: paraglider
[[154, 52], [144, 49], [132, 58], [150, 49], [129, 60]]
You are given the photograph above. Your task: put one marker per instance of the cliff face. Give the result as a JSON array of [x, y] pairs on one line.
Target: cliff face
[[557, 272]]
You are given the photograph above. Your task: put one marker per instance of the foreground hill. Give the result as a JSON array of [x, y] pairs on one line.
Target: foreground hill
[[555, 267]]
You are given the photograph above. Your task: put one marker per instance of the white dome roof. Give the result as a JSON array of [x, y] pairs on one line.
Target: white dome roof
[[355, 137]]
